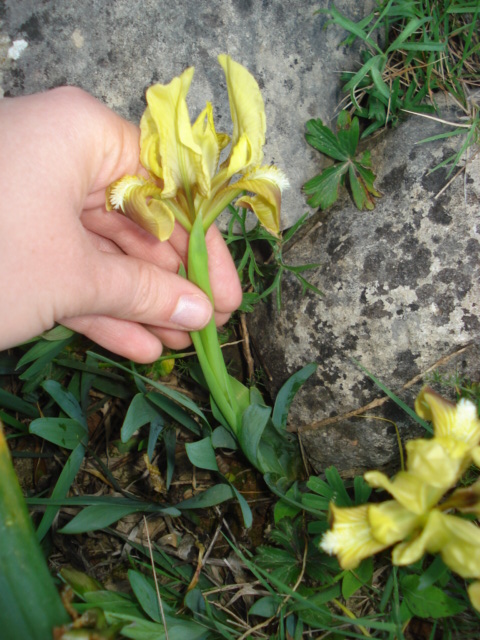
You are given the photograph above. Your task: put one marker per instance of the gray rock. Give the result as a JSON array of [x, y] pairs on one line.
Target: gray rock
[[401, 296], [115, 50]]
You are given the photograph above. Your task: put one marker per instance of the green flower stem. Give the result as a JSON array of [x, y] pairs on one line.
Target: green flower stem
[[180, 215], [206, 341], [216, 208], [221, 399]]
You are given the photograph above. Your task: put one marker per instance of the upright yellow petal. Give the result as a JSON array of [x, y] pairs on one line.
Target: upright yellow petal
[[240, 158], [208, 140], [350, 537], [439, 462], [168, 146], [150, 145], [248, 115], [458, 421], [475, 453], [409, 490]]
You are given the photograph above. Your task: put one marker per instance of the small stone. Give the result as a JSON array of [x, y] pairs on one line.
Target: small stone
[[78, 39], [17, 48]]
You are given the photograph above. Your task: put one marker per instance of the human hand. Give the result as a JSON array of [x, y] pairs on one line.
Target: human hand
[[64, 259]]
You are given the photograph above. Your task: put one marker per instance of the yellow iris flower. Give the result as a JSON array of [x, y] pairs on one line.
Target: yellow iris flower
[[351, 538], [415, 521], [182, 159]]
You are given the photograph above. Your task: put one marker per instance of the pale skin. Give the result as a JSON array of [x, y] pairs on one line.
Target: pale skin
[[64, 259]]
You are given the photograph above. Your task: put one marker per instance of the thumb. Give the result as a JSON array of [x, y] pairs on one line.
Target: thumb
[[128, 288]]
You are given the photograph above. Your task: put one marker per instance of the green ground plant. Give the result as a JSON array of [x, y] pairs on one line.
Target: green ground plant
[[262, 277], [413, 52], [342, 148], [461, 385], [285, 586]]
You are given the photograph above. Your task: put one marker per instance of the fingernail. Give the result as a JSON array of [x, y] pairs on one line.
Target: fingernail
[[192, 312]]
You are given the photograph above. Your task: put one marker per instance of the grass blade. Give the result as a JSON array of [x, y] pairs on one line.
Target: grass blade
[[287, 393], [395, 398], [62, 487]]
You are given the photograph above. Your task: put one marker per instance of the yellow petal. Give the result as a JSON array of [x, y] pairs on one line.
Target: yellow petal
[[439, 462], [409, 490], [135, 197], [267, 183], [117, 192], [432, 538], [457, 540], [350, 537], [390, 522], [466, 500], [248, 115], [474, 594], [268, 214], [240, 157], [154, 216], [168, 146], [458, 421], [150, 145], [475, 453], [461, 551], [208, 140]]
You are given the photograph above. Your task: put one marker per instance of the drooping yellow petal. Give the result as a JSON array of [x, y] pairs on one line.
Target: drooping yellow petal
[[267, 213], [458, 421], [390, 522], [350, 537], [431, 539], [475, 453], [457, 540], [140, 201], [267, 183], [248, 116], [474, 594], [117, 192], [168, 147], [409, 490], [438, 462], [154, 216], [465, 500], [461, 551]]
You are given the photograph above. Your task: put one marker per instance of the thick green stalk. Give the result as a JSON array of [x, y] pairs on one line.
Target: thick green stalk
[[31, 606], [220, 398], [206, 341]]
